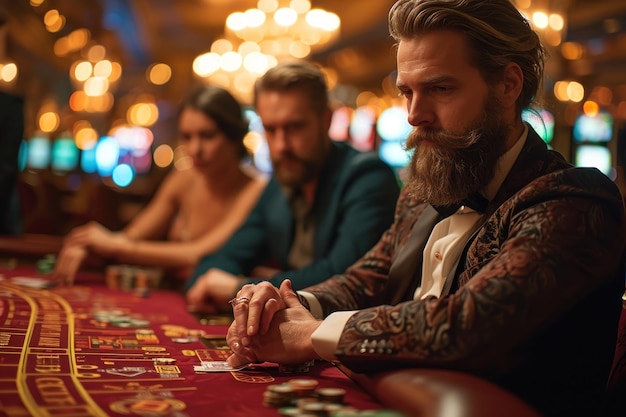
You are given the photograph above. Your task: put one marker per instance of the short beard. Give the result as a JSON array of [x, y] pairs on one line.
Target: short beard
[[295, 178], [456, 165], [308, 167]]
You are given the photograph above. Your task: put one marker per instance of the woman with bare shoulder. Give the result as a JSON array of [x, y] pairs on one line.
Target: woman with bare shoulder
[[194, 210]]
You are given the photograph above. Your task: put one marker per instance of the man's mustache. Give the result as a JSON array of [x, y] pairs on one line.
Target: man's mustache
[[443, 139], [287, 157]]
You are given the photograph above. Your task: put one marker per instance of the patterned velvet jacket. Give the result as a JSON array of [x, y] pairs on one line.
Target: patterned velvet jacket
[[535, 301]]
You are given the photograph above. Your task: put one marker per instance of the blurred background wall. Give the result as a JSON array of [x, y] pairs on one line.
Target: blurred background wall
[[100, 81]]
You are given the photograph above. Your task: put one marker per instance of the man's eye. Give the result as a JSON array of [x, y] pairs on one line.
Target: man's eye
[[441, 88], [296, 126]]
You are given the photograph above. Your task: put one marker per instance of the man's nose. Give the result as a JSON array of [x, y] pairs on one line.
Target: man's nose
[[280, 141], [420, 112]]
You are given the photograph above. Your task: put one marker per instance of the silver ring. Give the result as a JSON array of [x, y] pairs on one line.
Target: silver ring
[[238, 300]]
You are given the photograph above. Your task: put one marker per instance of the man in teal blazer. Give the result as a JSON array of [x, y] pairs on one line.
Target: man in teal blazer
[[347, 198]]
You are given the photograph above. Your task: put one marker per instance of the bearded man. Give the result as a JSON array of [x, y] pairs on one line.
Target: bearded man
[[324, 207], [503, 261]]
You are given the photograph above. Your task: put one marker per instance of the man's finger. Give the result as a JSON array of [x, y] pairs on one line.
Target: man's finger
[[242, 315], [236, 361], [197, 300], [258, 298], [271, 307], [288, 295], [241, 355]]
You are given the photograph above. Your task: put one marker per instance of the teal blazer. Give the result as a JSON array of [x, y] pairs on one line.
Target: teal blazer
[[354, 204]]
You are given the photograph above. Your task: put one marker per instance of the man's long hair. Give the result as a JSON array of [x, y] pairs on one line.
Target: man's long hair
[[495, 29]]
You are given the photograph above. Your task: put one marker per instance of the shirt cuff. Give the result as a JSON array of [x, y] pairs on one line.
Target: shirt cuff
[[327, 335], [313, 304]]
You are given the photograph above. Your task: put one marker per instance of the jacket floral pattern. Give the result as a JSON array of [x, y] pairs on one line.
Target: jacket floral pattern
[[543, 272]]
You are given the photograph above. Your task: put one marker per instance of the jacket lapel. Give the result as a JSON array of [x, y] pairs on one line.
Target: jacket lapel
[[405, 271], [533, 162]]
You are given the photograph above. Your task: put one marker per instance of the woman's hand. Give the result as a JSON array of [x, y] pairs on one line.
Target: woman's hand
[[98, 239], [68, 263], [91, 238]]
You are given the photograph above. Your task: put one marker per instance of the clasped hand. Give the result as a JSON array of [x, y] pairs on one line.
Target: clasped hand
[[273, 326]]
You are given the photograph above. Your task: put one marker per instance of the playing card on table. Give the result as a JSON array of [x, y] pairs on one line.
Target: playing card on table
[[33, 282], [216, 366]]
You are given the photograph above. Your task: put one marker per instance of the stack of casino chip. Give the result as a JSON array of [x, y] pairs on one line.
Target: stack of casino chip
[[119, 319], [142, 280], [133, 278], [303, 387], [368, 413], [301, 397], [112, 276], [336, 410], [46, 264], [331, 395], [278, 395]]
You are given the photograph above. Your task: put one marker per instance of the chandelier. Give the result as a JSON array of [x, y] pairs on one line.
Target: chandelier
[[258, 38]]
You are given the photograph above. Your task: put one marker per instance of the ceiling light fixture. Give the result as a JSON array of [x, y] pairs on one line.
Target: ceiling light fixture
[[258, 38]]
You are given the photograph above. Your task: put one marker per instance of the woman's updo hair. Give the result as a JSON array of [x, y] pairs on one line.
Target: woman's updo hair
[[219, 105]]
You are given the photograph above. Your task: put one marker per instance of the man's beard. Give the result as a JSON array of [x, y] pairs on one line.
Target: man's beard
[[300, 170], [456, 165]]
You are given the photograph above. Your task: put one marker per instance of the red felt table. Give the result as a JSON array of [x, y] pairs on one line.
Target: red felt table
[[62, 354]]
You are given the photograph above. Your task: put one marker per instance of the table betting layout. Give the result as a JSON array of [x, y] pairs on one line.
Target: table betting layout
[[88, 350]]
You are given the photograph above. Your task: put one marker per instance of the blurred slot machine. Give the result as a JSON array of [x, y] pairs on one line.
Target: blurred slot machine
[[591, 136], [393, 129], [362, 130], [256, 143], [542, 121]]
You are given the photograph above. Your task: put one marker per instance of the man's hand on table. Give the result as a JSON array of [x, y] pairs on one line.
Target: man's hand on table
[[211, 292], [265, 300], [270, 325]]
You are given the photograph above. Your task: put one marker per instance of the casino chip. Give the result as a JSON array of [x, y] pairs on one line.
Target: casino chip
[[301, 397], [278, 395], [133, 278], [46, 264], [331, 395], [119, 319], [303, 387], [369, 413]]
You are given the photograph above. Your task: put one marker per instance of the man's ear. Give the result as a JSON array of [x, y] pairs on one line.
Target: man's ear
[[511, 85]]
